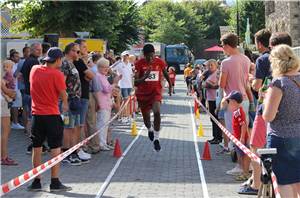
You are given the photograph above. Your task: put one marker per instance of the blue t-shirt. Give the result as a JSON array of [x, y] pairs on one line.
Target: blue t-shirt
[[263, 67]]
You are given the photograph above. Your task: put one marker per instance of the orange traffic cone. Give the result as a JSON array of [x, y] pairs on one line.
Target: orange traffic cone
[[206, 152], [195, 107], [117, 150]]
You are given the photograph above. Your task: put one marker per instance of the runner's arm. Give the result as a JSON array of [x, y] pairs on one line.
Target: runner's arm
[[138, 80]]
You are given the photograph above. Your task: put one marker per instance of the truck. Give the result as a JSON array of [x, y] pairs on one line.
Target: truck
[[177, 55]]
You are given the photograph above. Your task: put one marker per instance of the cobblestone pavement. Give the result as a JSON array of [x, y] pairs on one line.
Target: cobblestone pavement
[[173, 172]]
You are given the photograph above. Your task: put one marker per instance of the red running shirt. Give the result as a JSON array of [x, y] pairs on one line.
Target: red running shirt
[[153, 83], [45, 85], [238, 119]]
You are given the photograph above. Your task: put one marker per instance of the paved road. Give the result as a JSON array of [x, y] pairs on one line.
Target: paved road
[[173, 172]]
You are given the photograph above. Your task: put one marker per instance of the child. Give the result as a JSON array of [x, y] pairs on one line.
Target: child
[[9, 80], [240, 131], [172, 76]]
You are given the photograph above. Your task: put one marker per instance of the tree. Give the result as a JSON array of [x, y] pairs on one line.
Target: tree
[[254, 10], [116, 21]]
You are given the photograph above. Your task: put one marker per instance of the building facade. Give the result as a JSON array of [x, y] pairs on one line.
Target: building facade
[[284, 16]]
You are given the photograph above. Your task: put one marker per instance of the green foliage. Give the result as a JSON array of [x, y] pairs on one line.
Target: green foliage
[[116, 21], [254, 10], [190, 22]]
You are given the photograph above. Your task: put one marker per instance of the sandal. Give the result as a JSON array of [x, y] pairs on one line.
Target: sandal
[[247, 183], [8, 162], [242, 177]]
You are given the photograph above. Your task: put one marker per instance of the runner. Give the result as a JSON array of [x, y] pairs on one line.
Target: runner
[[148, 76]]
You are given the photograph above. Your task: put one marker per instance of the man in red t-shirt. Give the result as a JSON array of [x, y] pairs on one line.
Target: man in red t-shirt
[[47, 85], [240, 130], [149, 72], [172, 76]]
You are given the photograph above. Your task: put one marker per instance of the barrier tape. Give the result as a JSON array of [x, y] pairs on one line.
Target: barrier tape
[[29, 175], [246, 150]]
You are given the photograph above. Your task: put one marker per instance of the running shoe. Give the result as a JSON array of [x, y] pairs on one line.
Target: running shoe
[[83, 155], [235, 171], [156, 145], [59, 187], [248, 190], [151, 135]]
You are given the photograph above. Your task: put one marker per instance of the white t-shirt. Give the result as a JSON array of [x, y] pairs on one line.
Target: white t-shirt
[[127, 75]]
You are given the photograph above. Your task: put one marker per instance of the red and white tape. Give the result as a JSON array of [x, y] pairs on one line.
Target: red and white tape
[[29, 175], [247, 151]]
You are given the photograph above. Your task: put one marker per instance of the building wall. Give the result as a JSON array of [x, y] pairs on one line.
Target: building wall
[[284, 16]]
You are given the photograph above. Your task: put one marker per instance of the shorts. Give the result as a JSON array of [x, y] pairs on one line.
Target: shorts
[[221, 114], [48, 127], [126, 92], [145, 102], [259, 132], [17, 103], [26, 99], [83, 110], [5, 111], [286, 162], [238, 151], [74, 121]]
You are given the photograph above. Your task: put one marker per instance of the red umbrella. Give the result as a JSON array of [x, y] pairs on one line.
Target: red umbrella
[[214, 49]]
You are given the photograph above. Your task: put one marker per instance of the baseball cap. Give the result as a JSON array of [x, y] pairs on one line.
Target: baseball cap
[[125, 53], [235, 95], [148, 48], [53, 54]]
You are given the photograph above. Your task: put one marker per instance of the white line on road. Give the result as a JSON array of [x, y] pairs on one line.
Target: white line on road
[[200, 167], [113, 171]]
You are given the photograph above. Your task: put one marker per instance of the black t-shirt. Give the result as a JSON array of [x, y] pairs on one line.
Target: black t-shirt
[[85, 85], [28, 64]]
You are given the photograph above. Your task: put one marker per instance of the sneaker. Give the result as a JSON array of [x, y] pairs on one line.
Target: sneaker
[[8, 162], [242, 177], [110, 147], [29, 149], [235, 171], [104, 148], [156, 145], [248, 190], [17, 126], [35, 186], [59, 187], [83, 155], [224, 151], [151, 135], [66, 160], [74, 160]]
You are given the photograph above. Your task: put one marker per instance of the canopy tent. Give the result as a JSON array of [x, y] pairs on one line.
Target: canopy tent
[[214, 49]]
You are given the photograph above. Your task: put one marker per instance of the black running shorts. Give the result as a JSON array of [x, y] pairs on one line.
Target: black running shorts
[[48, 127]]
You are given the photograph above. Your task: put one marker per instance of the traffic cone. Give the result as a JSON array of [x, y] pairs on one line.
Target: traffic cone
[[200, 130], [117, 150], [197, 114], [195, 106], [133, 128], [206, 152]]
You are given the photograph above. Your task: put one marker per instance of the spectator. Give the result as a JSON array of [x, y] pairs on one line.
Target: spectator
[[211, 86], [17, 103], [124, 68], [278, 38], [258, 134], [72, 80], [104, 112], [240, 131], [86, 76], [45, 47], [172, 76], [282, 111], [9, 81], [46, 87], [5, 124], [35, 53], [93, 145], [234, 77]]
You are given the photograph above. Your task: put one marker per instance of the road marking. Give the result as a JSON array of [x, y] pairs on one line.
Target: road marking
[[113, 171], [200, 167]]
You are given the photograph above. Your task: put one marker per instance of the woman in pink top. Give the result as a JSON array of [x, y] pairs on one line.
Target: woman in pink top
[[105, 101], [211, 85]]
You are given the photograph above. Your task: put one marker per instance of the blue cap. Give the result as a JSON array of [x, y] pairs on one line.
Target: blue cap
[[235, 95], [53, 54]]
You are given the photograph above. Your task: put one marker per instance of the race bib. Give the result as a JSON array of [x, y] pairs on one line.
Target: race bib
[[153, 76]]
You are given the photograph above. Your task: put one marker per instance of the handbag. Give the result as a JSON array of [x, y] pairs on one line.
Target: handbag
[[75, 105]]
